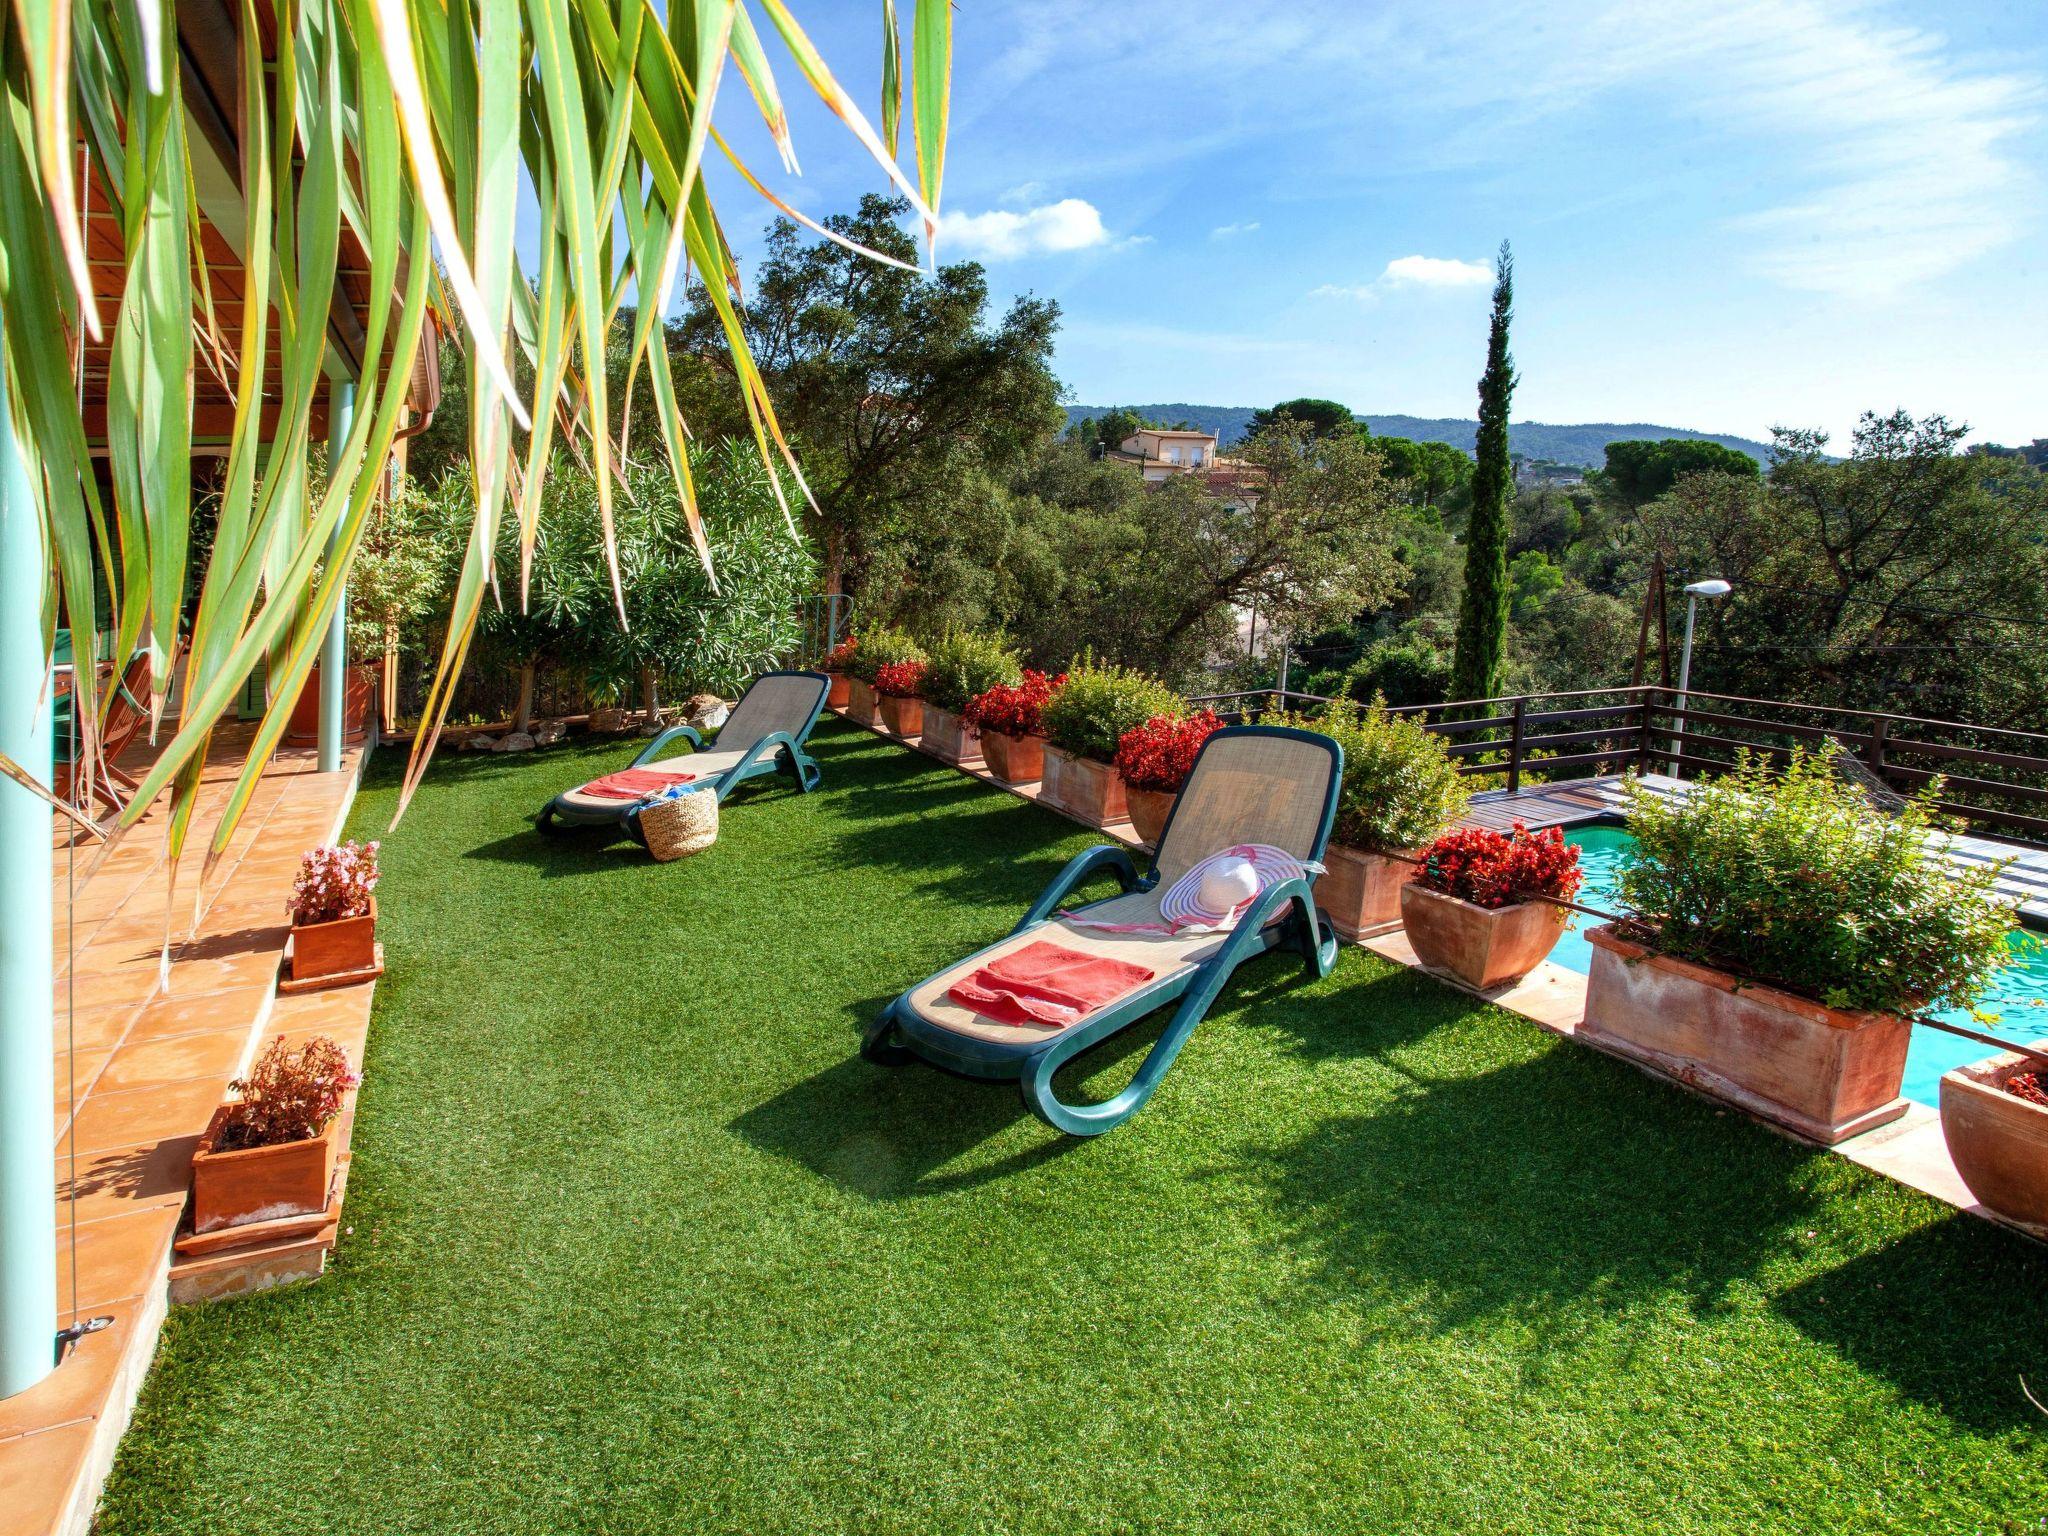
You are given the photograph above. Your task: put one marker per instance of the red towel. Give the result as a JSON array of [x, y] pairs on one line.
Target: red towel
[[1048, 985], [635, 783]]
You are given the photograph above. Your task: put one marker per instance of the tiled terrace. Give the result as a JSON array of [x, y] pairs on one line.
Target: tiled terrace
[[140, 1067]]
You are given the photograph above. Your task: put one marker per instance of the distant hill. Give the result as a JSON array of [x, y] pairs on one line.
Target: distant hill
[[1584, 444]]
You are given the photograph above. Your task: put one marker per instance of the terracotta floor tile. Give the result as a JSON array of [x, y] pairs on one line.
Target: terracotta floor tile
[[110, 1120], [123, 1180], [165, 1016], [37, 1476], [176, 1059], [351, 1038], [76, 1071], [252, 968], [108, 989], [119, 1257], [76, 1390], [93, 1028]]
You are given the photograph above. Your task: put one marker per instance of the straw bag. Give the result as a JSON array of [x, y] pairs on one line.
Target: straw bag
[[676, 828]]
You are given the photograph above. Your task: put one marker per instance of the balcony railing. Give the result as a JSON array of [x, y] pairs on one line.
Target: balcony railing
[[1993, 777]]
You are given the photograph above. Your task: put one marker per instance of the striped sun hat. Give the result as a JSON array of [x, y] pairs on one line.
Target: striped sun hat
[[1183, 906]]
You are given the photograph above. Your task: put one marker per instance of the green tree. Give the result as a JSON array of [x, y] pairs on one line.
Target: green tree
[[1483, 610], [1324, 418], [1640, 471]]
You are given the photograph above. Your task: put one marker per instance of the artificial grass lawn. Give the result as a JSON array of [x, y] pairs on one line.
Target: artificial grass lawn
[[638, 1244]]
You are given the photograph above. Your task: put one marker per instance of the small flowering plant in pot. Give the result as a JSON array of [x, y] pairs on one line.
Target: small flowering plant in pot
[[1476, 911], [268, 1154], [899, 686], [1010, 719], [877, 649], [333, 908], [838, 665], [1155, 760]]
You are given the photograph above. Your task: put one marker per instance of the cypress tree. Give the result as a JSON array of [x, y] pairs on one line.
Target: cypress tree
[[1483, 612]]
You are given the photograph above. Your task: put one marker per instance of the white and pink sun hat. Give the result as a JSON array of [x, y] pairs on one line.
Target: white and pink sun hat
[[1215, 893]]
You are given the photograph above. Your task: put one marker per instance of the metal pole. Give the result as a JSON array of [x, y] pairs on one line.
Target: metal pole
[[28, 1130], [1692, 604], [341, 405]]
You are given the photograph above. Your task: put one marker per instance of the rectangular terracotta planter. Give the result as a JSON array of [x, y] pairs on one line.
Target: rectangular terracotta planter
[[340, 948], [1013, 759], [232, 1189], [902, 717], [1481, 948], [860, 702], [1824, 1073], [1999, 1143], [946, 736], [1149, 809], [1082, 787], [1360, 892], [835, 695]]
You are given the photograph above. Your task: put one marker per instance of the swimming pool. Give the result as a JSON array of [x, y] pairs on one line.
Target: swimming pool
[[2018, 994]]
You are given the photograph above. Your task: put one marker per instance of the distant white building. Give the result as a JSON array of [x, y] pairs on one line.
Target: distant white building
[[1161, 452]]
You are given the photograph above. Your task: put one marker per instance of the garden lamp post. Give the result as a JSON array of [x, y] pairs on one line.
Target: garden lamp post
[[1694, 591]]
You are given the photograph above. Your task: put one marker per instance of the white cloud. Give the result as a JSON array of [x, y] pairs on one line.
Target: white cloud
[[1436, 272], [1071, 224], [1225, 231]]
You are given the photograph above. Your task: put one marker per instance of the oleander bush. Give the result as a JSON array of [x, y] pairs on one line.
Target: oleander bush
[[963, 666], [1790, 876], [1401, 787], [1088, 717]]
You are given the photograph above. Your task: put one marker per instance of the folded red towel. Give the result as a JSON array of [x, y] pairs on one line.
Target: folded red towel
[[1047, 984], [635, 783]]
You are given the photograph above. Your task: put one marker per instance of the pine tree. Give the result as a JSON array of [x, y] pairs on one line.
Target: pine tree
[[1483, 612]]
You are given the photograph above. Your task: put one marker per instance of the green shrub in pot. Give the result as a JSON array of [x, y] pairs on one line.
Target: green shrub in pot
[[963, 666], [1401, 787], [880, 648], [1088, 716]]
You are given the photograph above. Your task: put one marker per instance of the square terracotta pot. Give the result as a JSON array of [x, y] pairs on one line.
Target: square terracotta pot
[[1149, 809], [232, 1189], [340, 948], [947, 737], [1480, 948], [1999, 1143], [835, 696], [1360, 892], [1823, 1073], [902, 717], [1082, 787], [1013, 759], [861, 702]]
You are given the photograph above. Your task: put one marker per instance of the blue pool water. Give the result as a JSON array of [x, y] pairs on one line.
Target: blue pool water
[[2018, 994]]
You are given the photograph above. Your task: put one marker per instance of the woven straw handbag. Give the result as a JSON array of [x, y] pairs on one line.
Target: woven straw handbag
[[677, 828]]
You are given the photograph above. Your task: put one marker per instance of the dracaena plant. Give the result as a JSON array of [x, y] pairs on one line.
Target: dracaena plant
[[392, 140]]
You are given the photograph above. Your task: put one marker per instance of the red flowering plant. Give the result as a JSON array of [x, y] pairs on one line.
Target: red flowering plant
[[840, 657], [1479, 865], [900, 679], [287, 1096], [2031, 1086], [1160, 754], [1012, 709], [333, 883]]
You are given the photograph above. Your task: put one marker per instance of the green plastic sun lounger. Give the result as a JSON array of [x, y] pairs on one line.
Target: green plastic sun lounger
[[1251, 784], [765, 733]]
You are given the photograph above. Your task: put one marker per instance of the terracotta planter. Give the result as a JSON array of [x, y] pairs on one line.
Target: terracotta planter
[[359, 688], [902, 717], [946, 736], [1149, 809], [232, 1189], [1360, 892], [1082, 787], [1013, 759], [835, 696], [1824, 1073], [861, 702], [1478, 947], [1999, 1143], [345, 947]]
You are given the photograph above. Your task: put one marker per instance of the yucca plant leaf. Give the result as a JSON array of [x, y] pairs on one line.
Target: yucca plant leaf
[[892, 80], [932, 90], [753, 68]]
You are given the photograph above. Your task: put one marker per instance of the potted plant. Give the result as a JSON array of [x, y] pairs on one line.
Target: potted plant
[[1154, 761], [878, 649], [1994, 1116], [963, 667], [1084, 724], [1784, 931], [1400, 790], [269, 1152], [897, 686], [333, 908], [1473, 912], [1008, 719], [837, 663]]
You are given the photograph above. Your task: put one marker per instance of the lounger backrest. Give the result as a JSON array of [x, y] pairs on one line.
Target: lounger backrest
[[1253, 785], [776, 701]]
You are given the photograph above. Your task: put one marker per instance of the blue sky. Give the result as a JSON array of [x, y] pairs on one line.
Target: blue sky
[[1725, 215]]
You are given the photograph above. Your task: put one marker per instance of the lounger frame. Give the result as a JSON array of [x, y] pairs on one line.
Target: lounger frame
[[902, 1034]]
